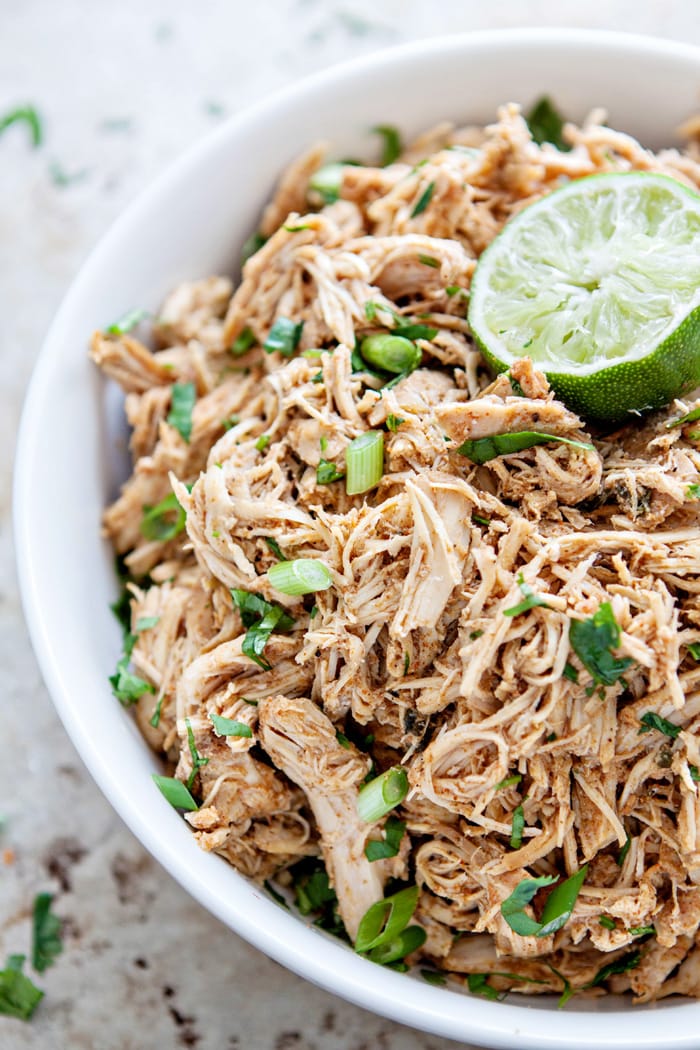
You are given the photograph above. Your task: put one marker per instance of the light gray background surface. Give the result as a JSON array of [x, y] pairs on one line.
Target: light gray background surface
[[123, 88]]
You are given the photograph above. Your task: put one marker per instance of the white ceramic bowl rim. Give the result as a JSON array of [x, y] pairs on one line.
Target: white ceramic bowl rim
[[245, 909]]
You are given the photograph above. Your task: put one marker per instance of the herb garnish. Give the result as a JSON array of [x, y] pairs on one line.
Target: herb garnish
[[384, 933], [650, 720], [382, 849], [424, 200], [283, 337], [126, 323], [530, 599], [154, 720], [127, 686], [165, 521], [693, 491], [197, 760], [546, 124], [180, 415], [624, 851], [694, 650], [144, 623], [46, 933], [570, 672], [481, 450], [621, 965], [641, 931], [229, 727], [593, 640], [243, 342], [415, 331], [19, 997], [517, 827], [260, 618], [26, 115], [252, 245], [327, 472], [607, 922], [434, 977], [689, 417], [275, 548], [175, 792], [394, 422], [557, 909], [429, 260], [391, 147]]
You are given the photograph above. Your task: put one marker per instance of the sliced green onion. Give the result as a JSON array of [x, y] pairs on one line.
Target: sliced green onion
[[144, 623], [27, 115], [424, 200], [262, 442], [386, 919], [394, 422], [392, 143], [429, 260], [300, 576], [622, 855], [693, 491], [327, 182], [382, 849], [382, 794], [243, 342], [434, 977], [409, 940], [126, 323], [284, 337], [481, 450], [508, 782], [175, 792], [229, 727], [621, 965], [607, 922], [391, 353], [164, 521], [689, 417], [364, 462], [641, 931], [570, 672], [197, 760], [530, 599], [180, 416]]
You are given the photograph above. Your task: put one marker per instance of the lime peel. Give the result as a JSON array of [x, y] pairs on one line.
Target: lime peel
[[599, 283]]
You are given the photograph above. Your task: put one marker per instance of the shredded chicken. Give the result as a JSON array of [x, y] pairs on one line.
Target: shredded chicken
[[444, 644]]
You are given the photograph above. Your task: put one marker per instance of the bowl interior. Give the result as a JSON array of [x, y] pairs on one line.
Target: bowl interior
[[191, 224]]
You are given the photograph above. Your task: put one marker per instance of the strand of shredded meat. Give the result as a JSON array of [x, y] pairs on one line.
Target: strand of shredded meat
[[410, 648]]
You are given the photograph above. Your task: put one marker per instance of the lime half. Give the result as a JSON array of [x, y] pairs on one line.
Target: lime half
[[599, 283]]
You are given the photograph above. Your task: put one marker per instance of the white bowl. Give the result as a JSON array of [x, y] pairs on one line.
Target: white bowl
[[189, 224]]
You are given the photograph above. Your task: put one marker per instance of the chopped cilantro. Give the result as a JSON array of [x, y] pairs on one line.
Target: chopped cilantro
[[180, 415], [46, 934], [391, 143], [229, 726], [165, 521], [517, 827], [283, 337], [593, 640], [197, 760], [275, 548], [19, 997], [424, 200], [546, 124], [327, 472], [382, 849], [394, 422], [530, 599], [260, 618], [243, 342], [650, 720]]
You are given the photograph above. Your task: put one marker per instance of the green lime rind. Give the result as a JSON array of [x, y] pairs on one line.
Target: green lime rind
[[630, 387], [629, 241]]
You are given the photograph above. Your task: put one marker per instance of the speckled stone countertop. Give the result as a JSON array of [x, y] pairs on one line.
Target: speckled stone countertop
[[122, 89]]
